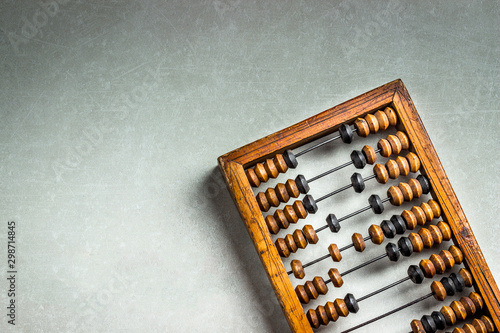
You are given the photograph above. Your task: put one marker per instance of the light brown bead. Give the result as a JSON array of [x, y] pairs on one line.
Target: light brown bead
[[488, 323], [466, 276], [282, 192], [445, 230], [426, 237], [457, 254], [406, 190], [376, 234], [449, 315], [428, 268], [312, 317], [341, 307], [302, 294], [362, 127], [458, 330], [271, 169], [299, 239], [297, 269], [359, 243], [261, 172], [331, 312], [320, 285], [415, 187], [321, 313], [459, 310], [262, 201], [395, 195], [372, 123], [292, 189], [438, 290], [336, 278], [282, 248], [272, 226], [280, 163], [404, 167], [426, 208], [290, 214], [438, 263], [381, 173], [416, 326], [479, 326], [410, 219], [437, 236], [448, 259], [311, 290], [396, 146], [252, 178], [385, 147], [419, 215], [403, 138], [416, 242], [392, 168], [468, 328], [300, 210], [477, 300], [271, 197], [391, 115], [370, 155], [290, 243], [281, 219], [310, 234], [413, 161], [383, 121], [469, 306], [436, 209], [334, 252]]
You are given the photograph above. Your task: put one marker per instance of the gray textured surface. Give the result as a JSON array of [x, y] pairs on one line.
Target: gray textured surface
[[113, 115]]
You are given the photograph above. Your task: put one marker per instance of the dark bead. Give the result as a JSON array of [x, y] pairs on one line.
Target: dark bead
[[346, 133], [358, 159], [428, 324], [310, 204], [392, 251], [439, 319], [458, 280], [399, 224], [290, 159], [351, 303], [405, 246], [449, 286], [358, 183], [424, 182], [388, 228], [376, 204], [302, 184], [333, 223], [416, 274]]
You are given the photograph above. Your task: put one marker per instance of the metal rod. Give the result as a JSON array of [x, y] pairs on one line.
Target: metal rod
[[329, 171], [383, 289], [364, 264]]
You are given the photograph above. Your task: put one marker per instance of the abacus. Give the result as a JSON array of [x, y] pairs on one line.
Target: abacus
[[432, 219]]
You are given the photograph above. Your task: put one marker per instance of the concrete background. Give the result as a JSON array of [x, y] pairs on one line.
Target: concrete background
[[113, 114]]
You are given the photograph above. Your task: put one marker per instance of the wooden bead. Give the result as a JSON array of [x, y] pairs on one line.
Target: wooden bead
[[438, 263], [321, 313], [479, 326], [449, 315], [391, 115], [395, 195], [282, 192], [341, 307], [458, 330], [383, 121], [426, 208], [312, 317], [297, 269], [438, 290], [459, 310], [426, 237], [271, 169], [416, 326], [385, 147], [466, 276], [468, 328], [457, 254], [252, 178], [372, 123], [310, 234], [320, 285], [290, 243], [415, 187], [299, 239], [416, 241], [445, 230], [428, 268], [376, 234], [334, 252], [419, 215], [272, 198], [302, 294], [477, 300], [281, 219], [336, 278], [413, 161], [381, 173], [370, 154], [282, 248], [404, 167], [272, 226], [359, 243], [362, 127], [311, 290], [448, 259], [406, 190], [290, 214], [299, 209], [392, 168], [403, 138], [488, 323], [291, 188], [261, 172], [437, 236], [410, 219], [469, 306], [395, 144], [280, 163], [436, 209], [262, 201], [331, 312]]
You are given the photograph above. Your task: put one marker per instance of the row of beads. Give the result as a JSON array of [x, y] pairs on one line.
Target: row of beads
[[282, 218]]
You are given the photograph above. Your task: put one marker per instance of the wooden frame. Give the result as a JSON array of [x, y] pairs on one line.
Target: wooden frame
[[394, 94]]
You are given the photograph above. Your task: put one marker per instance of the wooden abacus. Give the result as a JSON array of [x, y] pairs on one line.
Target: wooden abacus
[[390, 105]]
